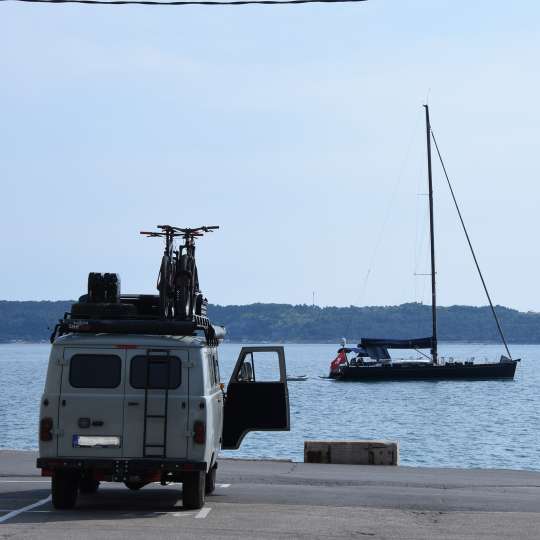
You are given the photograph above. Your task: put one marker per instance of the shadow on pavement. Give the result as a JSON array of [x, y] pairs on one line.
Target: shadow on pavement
[[106, 504]]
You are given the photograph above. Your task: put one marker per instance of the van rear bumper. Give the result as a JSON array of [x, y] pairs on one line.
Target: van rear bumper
[[121, 470]]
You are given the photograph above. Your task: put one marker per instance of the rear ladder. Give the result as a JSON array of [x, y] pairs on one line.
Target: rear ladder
[[154, 360]]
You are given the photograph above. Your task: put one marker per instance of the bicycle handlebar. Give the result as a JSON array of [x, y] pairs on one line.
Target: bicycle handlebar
[[198, 231], [152, 233], [168, 230]]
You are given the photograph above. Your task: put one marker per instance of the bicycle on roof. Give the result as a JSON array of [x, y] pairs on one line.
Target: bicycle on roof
[[178, 282]]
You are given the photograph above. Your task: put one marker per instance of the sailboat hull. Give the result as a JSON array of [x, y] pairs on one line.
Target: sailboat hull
[[408, 372]]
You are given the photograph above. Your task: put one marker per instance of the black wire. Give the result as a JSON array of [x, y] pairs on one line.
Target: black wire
[[471, 247], [186, 2]]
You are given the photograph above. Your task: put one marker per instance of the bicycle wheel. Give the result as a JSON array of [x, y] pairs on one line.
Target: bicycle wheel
[[164, 287], [183, 300], [171, 296], [195, 291], [184, 289]]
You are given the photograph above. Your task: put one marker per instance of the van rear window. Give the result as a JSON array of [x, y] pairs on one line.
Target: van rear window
[[95, 371], [158, 371]]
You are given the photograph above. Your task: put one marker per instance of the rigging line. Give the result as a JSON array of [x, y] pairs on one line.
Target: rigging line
[[186, 2], [422, 219], [421, 260], [422, 296], [471, 247], [421, 265], [424, 281], [423, 354], [382, 230], [389, 207]]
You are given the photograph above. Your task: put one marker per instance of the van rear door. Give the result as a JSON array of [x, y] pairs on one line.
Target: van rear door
[[257, 395], [156, 405], [91, 405]]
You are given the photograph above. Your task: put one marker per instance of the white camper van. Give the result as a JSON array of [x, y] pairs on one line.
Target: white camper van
[[133, 391], [139, 409]]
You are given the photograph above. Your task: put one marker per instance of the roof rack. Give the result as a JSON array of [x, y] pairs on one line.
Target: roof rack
[[213, 333]]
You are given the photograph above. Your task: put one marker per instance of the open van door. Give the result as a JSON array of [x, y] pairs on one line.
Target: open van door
[[257, 396]]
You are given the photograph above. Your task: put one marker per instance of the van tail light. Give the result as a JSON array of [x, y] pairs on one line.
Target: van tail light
[[199, 432], [45, 429]]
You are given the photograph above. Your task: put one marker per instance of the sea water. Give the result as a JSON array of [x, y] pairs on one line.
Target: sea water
[[437, 423]]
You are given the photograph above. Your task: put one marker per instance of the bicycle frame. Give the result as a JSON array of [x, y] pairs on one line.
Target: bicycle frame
[[178, 282]]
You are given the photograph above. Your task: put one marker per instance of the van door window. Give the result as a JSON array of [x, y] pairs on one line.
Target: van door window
[[95, 371], [259, 366], [157, 372]]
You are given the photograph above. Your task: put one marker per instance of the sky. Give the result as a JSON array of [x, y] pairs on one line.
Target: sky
[[297, 129]]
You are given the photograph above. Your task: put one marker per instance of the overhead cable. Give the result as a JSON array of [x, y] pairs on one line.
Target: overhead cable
[[186, 2]]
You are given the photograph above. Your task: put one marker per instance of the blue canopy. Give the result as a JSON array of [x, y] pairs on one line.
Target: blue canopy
[[417, 343], [378, 348]]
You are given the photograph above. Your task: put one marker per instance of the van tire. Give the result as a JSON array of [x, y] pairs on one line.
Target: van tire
[[88, 485], [210, 481], [193, 490], [64, 488]]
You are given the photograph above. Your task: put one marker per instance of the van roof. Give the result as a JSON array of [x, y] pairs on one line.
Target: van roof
[[141, 340]]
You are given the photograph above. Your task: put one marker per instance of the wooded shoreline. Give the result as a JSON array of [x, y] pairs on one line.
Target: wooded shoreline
[[33, 321]]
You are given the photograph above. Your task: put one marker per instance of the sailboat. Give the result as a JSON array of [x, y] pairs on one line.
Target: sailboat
[[372, 361]]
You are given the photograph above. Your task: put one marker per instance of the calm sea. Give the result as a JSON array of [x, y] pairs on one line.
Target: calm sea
[[455, 424]]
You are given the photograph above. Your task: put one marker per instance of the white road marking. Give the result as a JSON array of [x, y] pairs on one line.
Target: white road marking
[[25, 481], [24, 509], [200, 515], [30, 511], [223, 485], [203, 513], [41, 511]]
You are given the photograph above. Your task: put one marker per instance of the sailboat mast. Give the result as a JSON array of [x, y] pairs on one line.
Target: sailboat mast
[[434, 355]]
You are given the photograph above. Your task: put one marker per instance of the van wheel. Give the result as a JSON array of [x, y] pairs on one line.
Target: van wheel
[[210, 481], [88, 485], [134, 486], [193, 490], [64, 489]]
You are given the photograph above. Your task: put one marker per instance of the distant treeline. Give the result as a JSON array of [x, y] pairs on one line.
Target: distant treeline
[[312, 324], [29, 321], [34, 321]]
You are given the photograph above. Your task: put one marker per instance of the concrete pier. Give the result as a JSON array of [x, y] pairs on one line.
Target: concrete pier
[[352, 452], [282, 499]]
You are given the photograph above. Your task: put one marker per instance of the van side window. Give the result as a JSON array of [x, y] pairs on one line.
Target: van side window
[[216, 368], [157, 372], [95, 371], [211, 373]]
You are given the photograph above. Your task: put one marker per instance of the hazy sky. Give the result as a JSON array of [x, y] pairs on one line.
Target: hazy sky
[[297, 129]]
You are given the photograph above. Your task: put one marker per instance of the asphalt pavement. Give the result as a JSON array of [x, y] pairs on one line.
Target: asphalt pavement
[[283, 499]]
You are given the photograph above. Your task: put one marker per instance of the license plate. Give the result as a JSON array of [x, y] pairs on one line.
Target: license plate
[[95, 441]]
